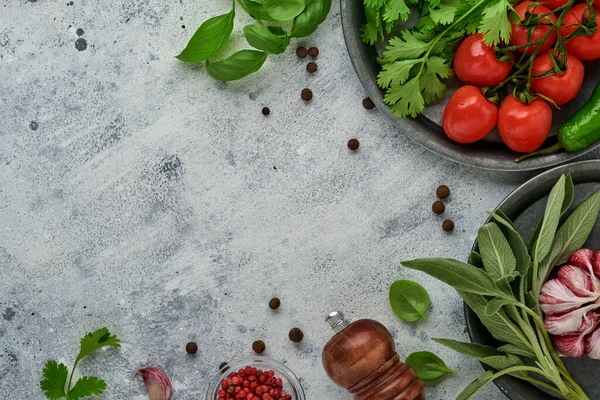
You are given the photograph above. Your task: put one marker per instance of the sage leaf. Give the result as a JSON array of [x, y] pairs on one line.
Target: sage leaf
[[236, 66], [209, 38], [516, 350], [256, 10], [308, 20], [498, 258], [460, 276], [284, 10], [409, 300], [266, 38], [475, 259], [516, 242], [495, 305], [428, 366], [550, 220], [475, 386], [569, 194]]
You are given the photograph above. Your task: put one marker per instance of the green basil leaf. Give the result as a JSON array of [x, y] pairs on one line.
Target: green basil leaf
[[550, 221], [428, 366], [498, 258], [475, 386], [516, 242], [313, 15], [265, 38], [209, 38], [236, 66], [459, 275], [255, 9], [409, 300], [475, 259], [284, 10], [516, 350]]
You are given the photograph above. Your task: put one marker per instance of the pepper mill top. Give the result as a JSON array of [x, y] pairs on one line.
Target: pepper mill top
[[361, 357]]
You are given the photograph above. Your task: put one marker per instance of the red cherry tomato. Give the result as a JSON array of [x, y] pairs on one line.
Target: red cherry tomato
[[524, 127], [583, 47], [560, 88], [520, 37], [477, 64], [597, 3], [469, 116], [554, 4]]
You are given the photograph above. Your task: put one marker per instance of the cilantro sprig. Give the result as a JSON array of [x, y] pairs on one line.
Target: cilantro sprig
[[55, 385]]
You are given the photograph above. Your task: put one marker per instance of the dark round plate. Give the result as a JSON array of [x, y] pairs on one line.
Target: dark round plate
[[525, 206], [426, 130]]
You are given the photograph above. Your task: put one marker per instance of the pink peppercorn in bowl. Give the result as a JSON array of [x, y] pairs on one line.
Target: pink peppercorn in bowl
[[261, 378]]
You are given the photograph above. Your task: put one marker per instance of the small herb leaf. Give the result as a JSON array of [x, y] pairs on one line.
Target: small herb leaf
[[498, 258], [516, 242], [475, 259], [96, 340], [516, 350], [284, 10], [269, 39], [313, 15], [551, 220], [209, 38], [569, 194], [55, 379], [409, 300], [236, 66], [473, 350], [475, 386], [87, 386], [428, 366], [495, 305], [255, 10]]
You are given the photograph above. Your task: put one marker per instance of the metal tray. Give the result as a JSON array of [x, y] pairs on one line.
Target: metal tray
[[426, 130]]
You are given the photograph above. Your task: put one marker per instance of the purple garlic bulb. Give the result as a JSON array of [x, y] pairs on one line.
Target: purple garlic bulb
[[571, 302]]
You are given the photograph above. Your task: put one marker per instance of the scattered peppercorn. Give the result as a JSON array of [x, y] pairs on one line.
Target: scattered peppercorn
[[296, 335], [438, 207], [191, 348], [307, 94], [353, 144], [252, 383], [266, 111], [448, 225], [443, 192], [368, 103], [311, 67], [301, 52], [259, 346], [274, 303], [313, 52]]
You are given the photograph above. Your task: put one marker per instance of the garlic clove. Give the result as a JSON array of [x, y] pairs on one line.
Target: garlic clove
[[570, 346], [158, 384], [556, 298], [592, 345], [577, 280], [582, 258], [596, 263], [571, 323]]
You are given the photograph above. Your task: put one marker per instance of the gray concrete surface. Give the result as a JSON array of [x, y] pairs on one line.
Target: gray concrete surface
[[137, 193]]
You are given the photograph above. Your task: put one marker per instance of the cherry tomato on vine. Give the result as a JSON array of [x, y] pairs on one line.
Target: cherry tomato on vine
[[583, 47], [469, 116], [520, 37], [477, 64], [524, 127], [560, 88], [554, 4]]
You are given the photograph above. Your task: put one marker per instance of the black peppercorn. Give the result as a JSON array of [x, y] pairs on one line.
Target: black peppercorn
[[313, 52], [258, 346], [191, 348], [438, 207], [443, 192], [311, 67], [266, 111], [301, 52], [307, 94], [368, 103], [274, 303], [448, 225], [353, 144], [296, 335]]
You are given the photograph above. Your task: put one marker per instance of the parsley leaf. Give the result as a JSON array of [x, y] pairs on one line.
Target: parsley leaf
[[55, 379], [405, 100], [96, 340], [86, 386], [495, 26]]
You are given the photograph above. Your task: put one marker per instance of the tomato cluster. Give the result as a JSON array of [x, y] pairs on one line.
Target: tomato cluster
[[524, 121]]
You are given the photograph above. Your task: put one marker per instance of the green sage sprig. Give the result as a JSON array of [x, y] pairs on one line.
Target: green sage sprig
[[300, 17], [502, 282]]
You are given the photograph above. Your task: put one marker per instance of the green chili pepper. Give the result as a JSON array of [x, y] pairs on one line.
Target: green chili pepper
[[579, 132]]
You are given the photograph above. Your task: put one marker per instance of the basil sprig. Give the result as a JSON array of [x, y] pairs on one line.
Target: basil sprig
[[300, 17]]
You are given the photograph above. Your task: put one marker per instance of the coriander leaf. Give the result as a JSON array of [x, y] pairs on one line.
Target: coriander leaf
[[55, 379], [428, 366], [255, 10], [371, 31], [267, 38], [86, 386], [395, 73], [284, 10], [209, 38], [236, 66], [498, 258], [432, 87], [495, 26], [96, 340], [374, 3], [394, 10], [409, 300], [405, 100], [446, 11], [406, 47], [313, 15]]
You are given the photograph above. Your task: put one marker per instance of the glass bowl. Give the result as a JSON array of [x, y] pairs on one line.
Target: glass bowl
[[291, 384]]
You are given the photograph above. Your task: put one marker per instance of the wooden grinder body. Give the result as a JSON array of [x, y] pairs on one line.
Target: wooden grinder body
[[362, 359]]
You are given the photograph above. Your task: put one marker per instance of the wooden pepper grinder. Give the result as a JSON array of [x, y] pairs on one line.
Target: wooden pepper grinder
[[362, 358]]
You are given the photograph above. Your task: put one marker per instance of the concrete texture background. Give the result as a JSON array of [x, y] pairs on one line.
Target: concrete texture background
[[139, 194]]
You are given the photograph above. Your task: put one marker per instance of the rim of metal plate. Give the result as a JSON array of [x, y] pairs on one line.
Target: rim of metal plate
[[488, 156]]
